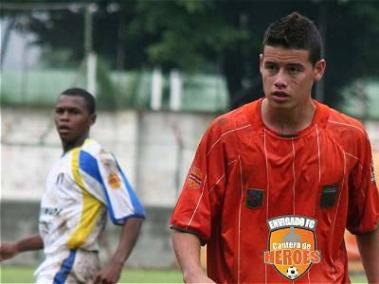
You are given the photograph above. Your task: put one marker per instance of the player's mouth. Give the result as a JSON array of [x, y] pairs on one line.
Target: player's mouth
[[64, 129], [280, 96]]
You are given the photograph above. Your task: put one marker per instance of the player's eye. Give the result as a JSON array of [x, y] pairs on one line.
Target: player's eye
[[294, 69], [59, 111], [75, 111], [271, 67]]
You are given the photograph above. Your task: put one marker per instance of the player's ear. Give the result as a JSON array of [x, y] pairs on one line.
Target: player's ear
[[93, 118], [260, 62], [319, 69]]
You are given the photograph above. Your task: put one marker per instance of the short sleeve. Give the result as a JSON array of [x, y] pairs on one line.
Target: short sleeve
[[203, 188], [363, 215], [122, 201], [107, 182]]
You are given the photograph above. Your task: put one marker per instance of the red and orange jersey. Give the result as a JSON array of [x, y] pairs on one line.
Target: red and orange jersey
[[274, 208]]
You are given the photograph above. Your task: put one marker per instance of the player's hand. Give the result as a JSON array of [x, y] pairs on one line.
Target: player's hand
[[8, 250], [109, 274]]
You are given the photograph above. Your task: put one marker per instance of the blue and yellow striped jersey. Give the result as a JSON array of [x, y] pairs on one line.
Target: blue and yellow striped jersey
[[83, 185]]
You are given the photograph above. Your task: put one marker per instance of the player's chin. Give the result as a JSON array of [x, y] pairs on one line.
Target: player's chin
[[66, 138], [281, 104]]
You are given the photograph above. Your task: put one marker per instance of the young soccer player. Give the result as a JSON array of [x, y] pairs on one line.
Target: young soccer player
[[274, 184], [82, 186]]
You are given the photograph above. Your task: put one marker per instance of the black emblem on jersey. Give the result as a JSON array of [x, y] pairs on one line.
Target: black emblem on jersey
[[51, 211], [328, 196], [254, 198]]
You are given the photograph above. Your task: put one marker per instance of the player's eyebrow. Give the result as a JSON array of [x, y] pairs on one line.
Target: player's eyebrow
[[296, 65], [270, 62], [68, 108]]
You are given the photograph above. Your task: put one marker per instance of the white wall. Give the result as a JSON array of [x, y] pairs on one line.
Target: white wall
[[30, 146], [145, 144], [158, 160]]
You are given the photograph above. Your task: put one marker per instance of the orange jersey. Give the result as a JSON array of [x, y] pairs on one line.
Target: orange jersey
[[274, 208]]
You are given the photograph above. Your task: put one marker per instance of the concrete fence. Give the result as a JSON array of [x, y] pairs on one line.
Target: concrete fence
[[155, 149]]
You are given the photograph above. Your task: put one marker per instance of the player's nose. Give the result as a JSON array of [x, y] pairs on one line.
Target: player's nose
[[64, 116], [280, 81]]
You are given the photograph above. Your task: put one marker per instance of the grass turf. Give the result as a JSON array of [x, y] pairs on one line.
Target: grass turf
[[15, 274]]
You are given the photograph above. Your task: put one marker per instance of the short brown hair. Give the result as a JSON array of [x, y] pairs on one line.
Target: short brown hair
[[295, 31]]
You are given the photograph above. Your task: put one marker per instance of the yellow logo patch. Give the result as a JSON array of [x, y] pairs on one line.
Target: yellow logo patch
[[114, 181], [110, 168]]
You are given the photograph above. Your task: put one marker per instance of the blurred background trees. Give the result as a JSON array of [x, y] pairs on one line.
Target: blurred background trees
[[222, 37], [46, 47]]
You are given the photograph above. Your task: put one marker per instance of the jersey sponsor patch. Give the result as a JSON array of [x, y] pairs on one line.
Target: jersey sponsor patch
[[328, 196], [195, 178], [254, 198], [51, 211], [114, 181], [292, 245], [111, 170]]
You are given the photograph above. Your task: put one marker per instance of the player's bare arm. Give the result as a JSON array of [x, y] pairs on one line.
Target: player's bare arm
[[368, 245], [128, 237], [187, 250], [9, 250]]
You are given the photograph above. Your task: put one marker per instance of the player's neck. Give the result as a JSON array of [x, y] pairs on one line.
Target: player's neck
[[288, 122], [68, 146]]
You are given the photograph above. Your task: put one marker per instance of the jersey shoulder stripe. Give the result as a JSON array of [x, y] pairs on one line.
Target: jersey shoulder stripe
[[122, 202], [89, 164], [138, 208], [91, 207]]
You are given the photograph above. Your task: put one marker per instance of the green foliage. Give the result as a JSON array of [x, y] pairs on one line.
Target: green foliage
[[217, 36], [59, 57], [226, 35], [107, 93], [185, 34]]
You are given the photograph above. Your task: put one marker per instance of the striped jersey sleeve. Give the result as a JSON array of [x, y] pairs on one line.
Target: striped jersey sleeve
[[108, 183], [363, 212]]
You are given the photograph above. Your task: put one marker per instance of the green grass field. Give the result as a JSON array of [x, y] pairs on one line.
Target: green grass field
[[12, 274], [15, 274]]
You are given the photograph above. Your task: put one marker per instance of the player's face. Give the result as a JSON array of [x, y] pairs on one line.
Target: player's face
[[72, 120], [288, 76]]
